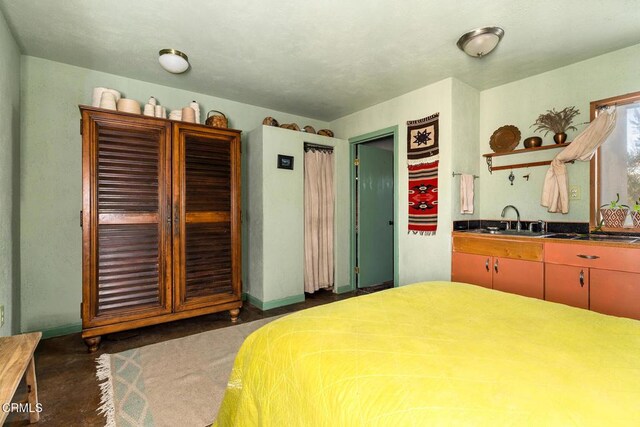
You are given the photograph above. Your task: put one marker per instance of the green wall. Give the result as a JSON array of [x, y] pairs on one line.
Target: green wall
[[420, 257], [519, 103], [50, 235], [276, 215], [465, 128], [9, 177], [49, 166]]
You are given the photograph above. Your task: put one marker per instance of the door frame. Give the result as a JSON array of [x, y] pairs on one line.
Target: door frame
[[353, 142]]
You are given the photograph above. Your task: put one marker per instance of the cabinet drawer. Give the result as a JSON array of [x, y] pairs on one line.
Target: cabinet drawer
[[491, 246], [604, 257]]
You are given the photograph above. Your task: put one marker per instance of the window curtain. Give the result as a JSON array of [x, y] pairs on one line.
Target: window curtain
[[318, 219]]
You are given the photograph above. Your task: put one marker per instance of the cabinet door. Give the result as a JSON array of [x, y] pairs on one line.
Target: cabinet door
[[519, 277], [567, 285], [615, 292], [126, 240], [470, 268], [206, 194]]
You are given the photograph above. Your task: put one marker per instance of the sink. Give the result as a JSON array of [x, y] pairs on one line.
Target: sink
[[510, 232], [595, 237], [609, 238], [565, 236]]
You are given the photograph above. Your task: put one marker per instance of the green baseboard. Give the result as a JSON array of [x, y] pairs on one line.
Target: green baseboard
[[344, 289], [268, 305], [61, 330]]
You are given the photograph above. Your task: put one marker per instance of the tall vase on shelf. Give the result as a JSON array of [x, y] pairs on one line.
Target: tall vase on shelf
[[557, 122], [560, 137]]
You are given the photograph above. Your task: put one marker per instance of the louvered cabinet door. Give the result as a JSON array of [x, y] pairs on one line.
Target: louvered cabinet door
[[206, 239], [126, 214]]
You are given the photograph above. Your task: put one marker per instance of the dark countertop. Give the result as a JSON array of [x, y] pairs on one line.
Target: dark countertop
[[566, 238]]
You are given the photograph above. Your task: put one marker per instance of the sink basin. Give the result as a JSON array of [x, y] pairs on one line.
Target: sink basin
[[564, 236], [510, 232], [609, 238], [596, 237]]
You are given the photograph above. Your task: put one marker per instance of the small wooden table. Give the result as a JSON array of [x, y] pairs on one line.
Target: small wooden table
[[16, 360]]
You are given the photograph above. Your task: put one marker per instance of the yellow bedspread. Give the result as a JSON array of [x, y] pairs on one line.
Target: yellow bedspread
[[437, 353]]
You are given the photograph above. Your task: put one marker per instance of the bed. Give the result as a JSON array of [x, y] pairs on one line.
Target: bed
[[437, 353]]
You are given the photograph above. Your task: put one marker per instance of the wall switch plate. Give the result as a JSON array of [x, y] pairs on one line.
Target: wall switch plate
[[1, 316], [574, 192]]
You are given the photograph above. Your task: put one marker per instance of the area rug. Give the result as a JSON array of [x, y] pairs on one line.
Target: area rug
[[172, 383]]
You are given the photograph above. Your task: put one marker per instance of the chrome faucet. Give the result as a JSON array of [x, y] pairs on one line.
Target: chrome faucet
[[504, 211]]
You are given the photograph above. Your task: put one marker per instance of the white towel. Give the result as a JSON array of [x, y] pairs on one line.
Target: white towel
[[466, 194]]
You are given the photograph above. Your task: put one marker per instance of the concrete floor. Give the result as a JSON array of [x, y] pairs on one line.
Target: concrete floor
[[66, 373]]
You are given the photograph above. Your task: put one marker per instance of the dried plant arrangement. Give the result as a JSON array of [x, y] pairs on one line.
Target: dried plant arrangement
[[556, 121]]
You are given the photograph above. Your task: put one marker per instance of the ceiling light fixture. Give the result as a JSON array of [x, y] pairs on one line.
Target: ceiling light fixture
[[481, 41], [173, 61]]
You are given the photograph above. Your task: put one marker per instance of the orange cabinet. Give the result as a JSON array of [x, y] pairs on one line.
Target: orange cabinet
[[603, 278], [519, 277], [471, 268], [506, 265], [615, 292], [567, 284]]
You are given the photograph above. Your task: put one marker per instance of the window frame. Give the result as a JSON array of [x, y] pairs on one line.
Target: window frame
[[594, 169]]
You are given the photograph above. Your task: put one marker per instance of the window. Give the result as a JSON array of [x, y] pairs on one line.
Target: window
[[616, 167]]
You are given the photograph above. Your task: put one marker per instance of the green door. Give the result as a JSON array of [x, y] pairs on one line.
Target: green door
[[375, 216]]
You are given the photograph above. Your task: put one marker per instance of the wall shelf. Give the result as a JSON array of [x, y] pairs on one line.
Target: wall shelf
[[489, 157]]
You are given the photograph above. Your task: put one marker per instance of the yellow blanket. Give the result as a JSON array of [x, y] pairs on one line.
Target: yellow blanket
[[437, 353]]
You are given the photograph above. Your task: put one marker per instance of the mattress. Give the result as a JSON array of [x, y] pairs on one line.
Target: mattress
[[437, 353]]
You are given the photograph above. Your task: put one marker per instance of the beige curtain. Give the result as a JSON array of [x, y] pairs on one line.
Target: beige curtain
[[318, 219], [555, 193]]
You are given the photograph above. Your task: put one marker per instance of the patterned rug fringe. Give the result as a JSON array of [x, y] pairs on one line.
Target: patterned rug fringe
[[422, 233], [107, 407], [423, 120]]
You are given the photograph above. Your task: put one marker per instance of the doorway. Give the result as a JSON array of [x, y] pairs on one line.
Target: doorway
[[374, 237]]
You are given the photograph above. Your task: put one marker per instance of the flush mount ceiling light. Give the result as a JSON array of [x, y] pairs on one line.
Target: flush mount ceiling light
[[173, 61], [481, 41]]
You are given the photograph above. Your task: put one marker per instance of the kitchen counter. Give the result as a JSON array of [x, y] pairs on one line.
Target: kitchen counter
[[568, 238]]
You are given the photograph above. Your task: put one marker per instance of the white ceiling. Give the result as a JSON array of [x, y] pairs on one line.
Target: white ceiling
[[321, 59]]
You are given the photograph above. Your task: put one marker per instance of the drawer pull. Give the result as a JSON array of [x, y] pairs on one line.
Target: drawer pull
[[581, 278], [589, 256]]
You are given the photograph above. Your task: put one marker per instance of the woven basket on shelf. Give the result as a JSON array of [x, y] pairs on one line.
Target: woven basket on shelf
[[217, 120]]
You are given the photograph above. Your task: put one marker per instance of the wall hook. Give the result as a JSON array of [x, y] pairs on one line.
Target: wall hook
[[512, 177], [526, 177]]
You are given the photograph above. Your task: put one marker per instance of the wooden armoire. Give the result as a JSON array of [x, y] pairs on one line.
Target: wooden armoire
[[160, 221]]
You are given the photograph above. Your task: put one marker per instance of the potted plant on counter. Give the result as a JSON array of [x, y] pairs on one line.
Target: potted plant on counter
[[635, 213], [614, 213], [558, 122]]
